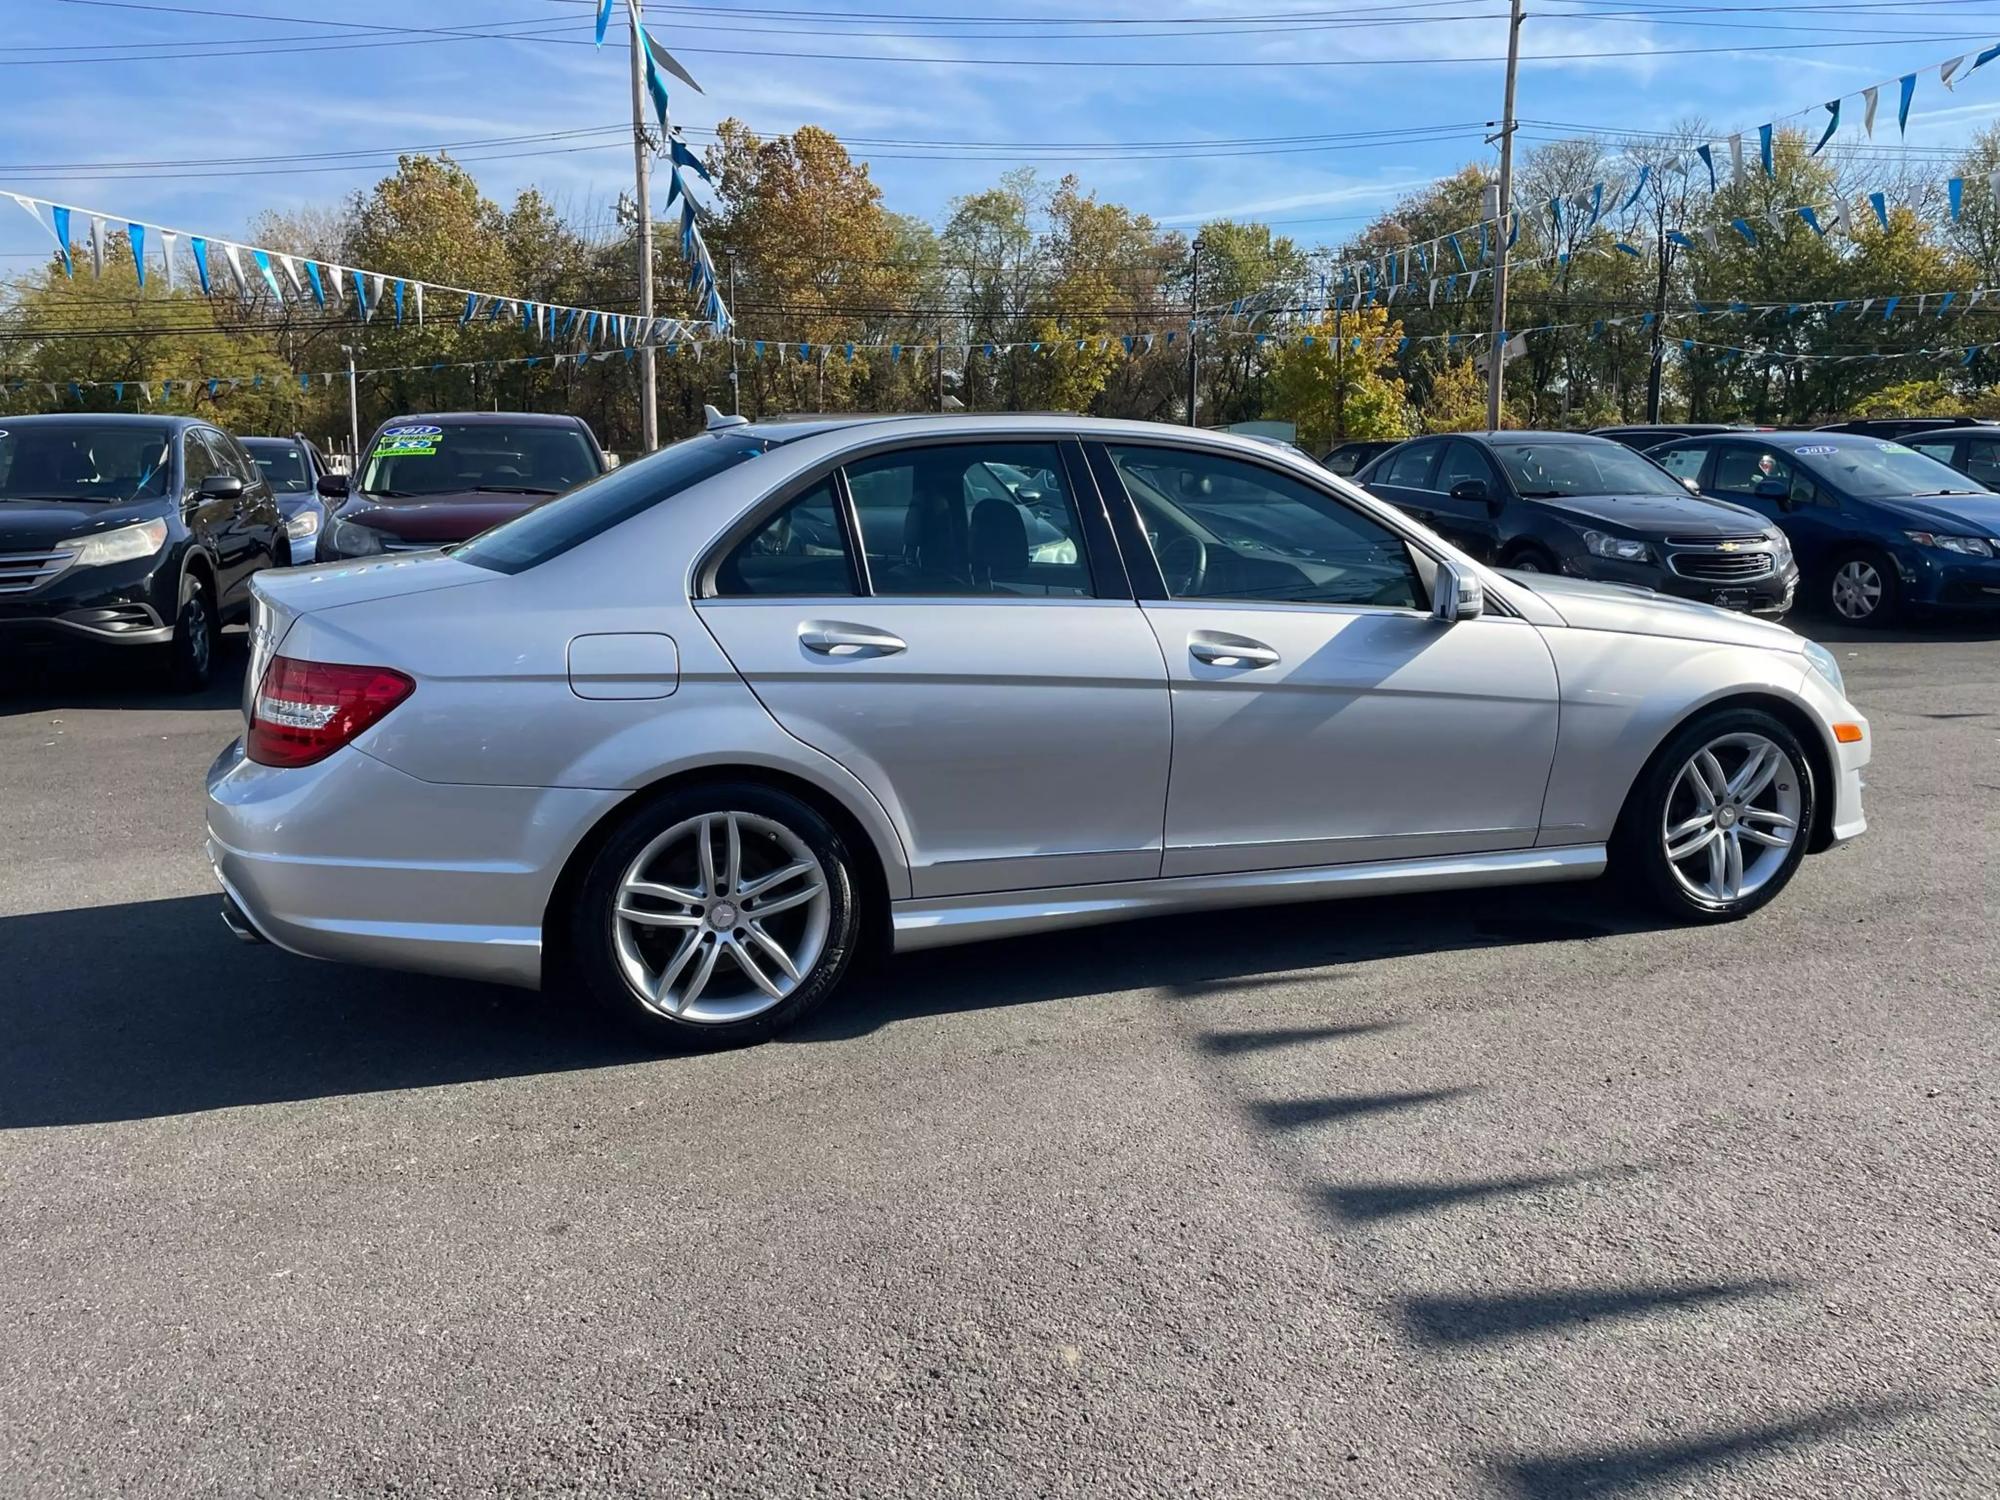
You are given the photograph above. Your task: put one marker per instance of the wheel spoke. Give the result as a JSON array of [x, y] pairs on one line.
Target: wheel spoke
[[1718, 868], [1732, 879], [1758, 836], [711, 949], [785, 903], [663, 990], [1768, 815], [1753, 767], [1688, 848], [775, 949], [660, 918], [1710, 771], [705, 841], [661, 892], [1681, 830], [733, 865], [776, 877], [755, 975]]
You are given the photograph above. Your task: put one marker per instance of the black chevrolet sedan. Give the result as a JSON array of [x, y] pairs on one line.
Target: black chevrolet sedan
[[1563, 502], [136, 533]]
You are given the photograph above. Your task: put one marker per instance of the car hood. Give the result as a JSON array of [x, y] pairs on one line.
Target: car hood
[[1584, 605], [1953, 515], [26, 525], [1657, 515], [438, 518]]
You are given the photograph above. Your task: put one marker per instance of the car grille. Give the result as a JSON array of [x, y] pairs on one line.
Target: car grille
[[1721, 567], [22, 571], [1710, 543]]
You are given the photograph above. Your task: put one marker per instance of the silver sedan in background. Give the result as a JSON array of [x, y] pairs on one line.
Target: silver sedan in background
[[692, 736]]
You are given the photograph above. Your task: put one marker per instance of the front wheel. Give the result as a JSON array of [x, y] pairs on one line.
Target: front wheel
[[717, 916], [1718, 821], [191, 654]]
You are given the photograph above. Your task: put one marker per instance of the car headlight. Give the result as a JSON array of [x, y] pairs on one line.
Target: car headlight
[[125, 544], [1781, 546], [1618, 548], [303, 525], [1969, 546], [345, 539], [1823, 662]]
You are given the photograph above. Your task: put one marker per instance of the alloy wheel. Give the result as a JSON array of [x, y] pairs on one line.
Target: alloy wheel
[[720, 918], [1857, 589], [1731, 817]]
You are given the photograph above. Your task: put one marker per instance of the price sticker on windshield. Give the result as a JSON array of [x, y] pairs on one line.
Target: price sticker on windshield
[[1818, 452], [1893, 448], [408, 442]]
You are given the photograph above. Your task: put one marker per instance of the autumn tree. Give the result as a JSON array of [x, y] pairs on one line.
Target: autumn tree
[[1335, 388]]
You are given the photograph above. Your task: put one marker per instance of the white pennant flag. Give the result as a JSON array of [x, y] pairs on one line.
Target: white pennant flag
[[292, 274], [234, 255], [375, 296], [167, 239], [1473, 285], [333, 274], [1843, 216], [1434, 292], [1736, 157], [1922, 303], [1872, 96], [1868, 304], [1977, 293], [1947, 70], [1708, 232], [418, 288], [97, 245]]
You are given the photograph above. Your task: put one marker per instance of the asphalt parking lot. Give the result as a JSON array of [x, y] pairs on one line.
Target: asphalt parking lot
[[1510, 1194]]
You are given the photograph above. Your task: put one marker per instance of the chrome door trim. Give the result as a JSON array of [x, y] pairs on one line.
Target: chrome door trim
[[939, 921]]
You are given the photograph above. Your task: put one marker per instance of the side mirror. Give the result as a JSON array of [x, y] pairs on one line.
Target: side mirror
[[1693, 486], [1471, 489], [1458, 596], [221, 487], [332, 486], [610, 462]]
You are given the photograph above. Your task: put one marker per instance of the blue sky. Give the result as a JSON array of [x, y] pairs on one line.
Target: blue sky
[[88, 82]]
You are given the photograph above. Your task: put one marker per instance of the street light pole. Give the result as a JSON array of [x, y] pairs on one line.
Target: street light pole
[[1497, 355], [353, 410], [642, 164], [735, 374]]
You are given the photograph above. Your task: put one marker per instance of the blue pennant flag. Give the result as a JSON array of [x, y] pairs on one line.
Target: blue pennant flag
[[1127, 341], [1832, 124], [305, 382], [211, 388], [1880, 203], [895, 354], [60, 216], [848, 350], [117, 390], [1764, 150], [682, 157], [590, 329], [757, 350], [1638, 187], [1482, 242], [1675, 237], [319, 287], [805, 350], [1909, 83], [361, 294], [198, 248], [1402, 343], [75, 391], [1707, 155], [1956, 189], [263, 259], [1742, 227], [1970, 355], [1949, 298], [471, 307], [1889, 307], [603, 18], [1984, 58], [1628, 249], [1306, 342], [1811, 219], [1596, 202], [1837, 309], [399, 302], [136, 233], [1646, 321]]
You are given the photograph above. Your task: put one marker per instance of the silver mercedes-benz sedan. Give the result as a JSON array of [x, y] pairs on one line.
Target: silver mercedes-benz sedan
[[696, 733]]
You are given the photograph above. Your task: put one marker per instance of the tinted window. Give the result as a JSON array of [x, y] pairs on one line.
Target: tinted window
[[1878, 470], [1462, 461], [229, 459], [552, 529], [82, 461], [197, 459], [1222, 528], [284, 464], [970, 518], [1411, 466], [1591, 466], [802, 550], [432, 458], [1738, 471], [1682, 463], [1982, 461]]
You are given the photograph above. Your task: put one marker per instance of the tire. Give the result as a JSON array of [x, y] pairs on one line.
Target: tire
[[191, 654], [646, 912], [1664, 801], [1531, 560], [1856, 578]]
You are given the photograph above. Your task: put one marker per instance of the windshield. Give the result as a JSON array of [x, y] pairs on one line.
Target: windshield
[[1549, 471], [114, 462], [616, 496], [447, 458], [1878, 471], [284, 464]]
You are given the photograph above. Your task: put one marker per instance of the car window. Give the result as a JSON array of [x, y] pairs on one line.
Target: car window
[[229, 459], [80, 460], [421, 457], [800, 551], [1982, 461], [1739, 470], [1222, 528], [197, 461], [1349, 458], [1939, 451], [1412, 466], [970, 518], [285, 465], [1682, 463], [1462, 461]]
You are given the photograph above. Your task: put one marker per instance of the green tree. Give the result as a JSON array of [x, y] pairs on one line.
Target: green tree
[[1340, 387]]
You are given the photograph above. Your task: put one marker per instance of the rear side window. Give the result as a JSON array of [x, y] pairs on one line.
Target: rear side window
[[1412, 467], [800, 552], [1682, 463], [611, 498]]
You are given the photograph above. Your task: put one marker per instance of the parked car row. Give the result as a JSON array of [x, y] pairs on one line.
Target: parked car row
[[1860, 525], [142, 533]]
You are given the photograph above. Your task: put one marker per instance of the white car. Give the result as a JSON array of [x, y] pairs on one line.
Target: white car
[[694, 733]]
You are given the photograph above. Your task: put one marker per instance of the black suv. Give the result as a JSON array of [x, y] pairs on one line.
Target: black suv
[[133, 532], [1567, 502]]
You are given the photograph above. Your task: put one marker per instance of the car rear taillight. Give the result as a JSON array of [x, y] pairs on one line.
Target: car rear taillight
[[306, 710]]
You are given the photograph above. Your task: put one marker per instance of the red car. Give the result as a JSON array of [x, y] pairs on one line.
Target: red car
[[430, 480]]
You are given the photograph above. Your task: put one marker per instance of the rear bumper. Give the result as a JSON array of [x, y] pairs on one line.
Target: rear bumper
[[352, 860]]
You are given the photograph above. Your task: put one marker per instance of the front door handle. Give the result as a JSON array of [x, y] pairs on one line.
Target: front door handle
[[838, 638], [1219, 649]]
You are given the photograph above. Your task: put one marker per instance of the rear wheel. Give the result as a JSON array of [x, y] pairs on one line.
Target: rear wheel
[[1718, 821], [717, 916], [1862, 589], [191, 654]]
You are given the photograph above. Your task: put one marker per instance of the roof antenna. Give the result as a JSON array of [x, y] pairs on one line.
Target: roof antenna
[[715, 421]]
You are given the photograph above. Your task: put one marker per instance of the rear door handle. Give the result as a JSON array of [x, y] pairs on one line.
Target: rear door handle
[[840, 639], [1220, 649]]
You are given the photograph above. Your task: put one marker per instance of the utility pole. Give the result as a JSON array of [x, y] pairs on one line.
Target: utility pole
[[1339, 375], [353, 410], [735, 375], [1194, 323], [642, 163], [1497, 359], [940, 368]]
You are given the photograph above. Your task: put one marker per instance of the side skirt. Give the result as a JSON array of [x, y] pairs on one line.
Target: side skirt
[[938, 921]]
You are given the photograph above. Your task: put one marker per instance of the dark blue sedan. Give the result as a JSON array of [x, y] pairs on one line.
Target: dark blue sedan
[[1878, 528]]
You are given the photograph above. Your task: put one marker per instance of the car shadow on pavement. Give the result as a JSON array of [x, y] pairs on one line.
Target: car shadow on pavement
[[55, 683]]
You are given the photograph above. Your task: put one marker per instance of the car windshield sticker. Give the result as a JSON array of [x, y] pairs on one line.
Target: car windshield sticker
[[1814, 452], [1894, 448], [408, 442]]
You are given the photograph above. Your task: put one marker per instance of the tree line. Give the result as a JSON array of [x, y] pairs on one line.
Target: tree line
[[1035, 294]]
